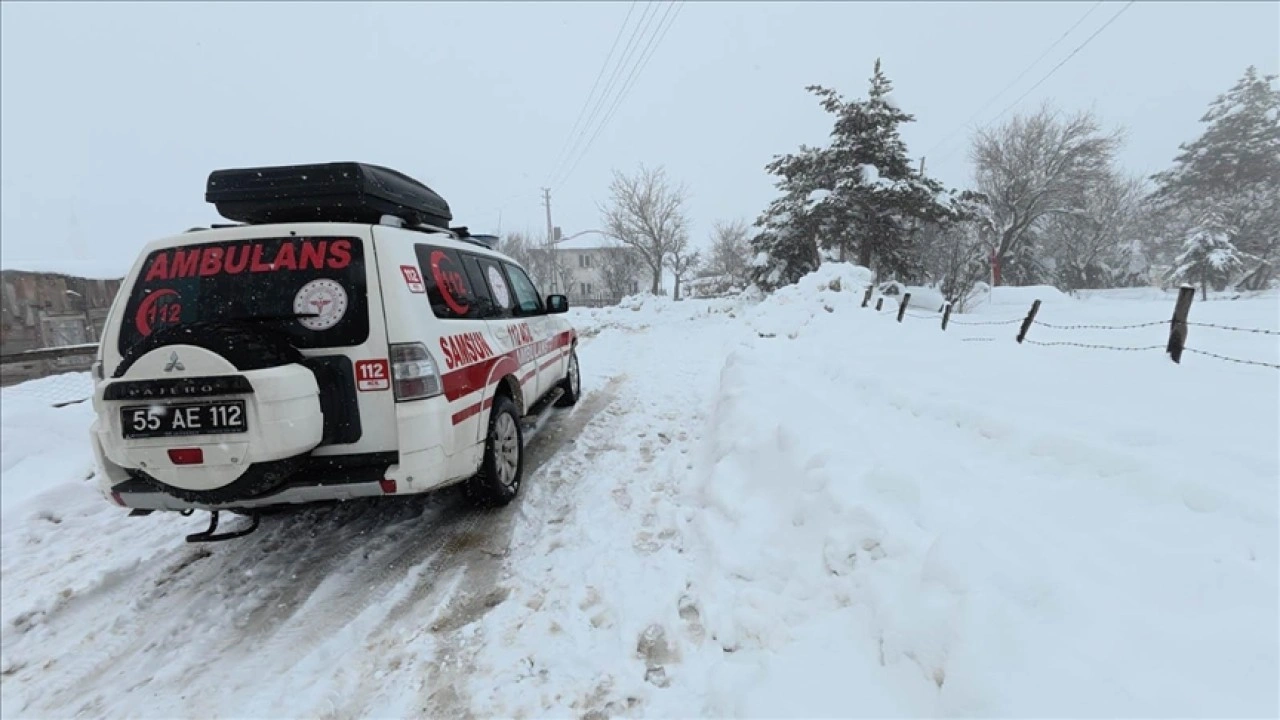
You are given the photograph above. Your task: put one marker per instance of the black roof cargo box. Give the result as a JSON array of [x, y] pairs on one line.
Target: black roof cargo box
[[328, 192]]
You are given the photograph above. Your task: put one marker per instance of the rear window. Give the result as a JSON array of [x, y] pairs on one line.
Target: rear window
[[259, 278]]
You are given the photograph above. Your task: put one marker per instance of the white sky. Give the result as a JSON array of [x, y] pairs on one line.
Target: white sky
[[112, 116]]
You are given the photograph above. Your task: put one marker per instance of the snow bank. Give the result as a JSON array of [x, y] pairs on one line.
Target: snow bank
[[1004, 297], [43, 448], [790, 308], [1094, 547]]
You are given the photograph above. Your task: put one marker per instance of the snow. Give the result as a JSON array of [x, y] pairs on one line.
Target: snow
[[818, 196], [788, 506], [588, 242]]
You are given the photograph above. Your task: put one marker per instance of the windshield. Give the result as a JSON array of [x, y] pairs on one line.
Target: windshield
[[313, 288]]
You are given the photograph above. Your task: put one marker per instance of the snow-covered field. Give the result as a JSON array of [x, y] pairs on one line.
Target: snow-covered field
[[793, 507]]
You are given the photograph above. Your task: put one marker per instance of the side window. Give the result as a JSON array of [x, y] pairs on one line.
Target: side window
[[489, 274], [449, 288], [485, 306], [526, 294]]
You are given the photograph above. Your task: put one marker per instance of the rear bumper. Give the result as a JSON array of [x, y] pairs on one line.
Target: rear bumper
[[324, 479]]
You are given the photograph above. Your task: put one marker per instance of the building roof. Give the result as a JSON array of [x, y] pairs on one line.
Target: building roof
[[587, 242]]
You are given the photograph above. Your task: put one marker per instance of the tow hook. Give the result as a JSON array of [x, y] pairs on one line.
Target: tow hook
[[210, 536]]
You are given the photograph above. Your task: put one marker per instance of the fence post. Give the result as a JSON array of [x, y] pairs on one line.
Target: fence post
[[1026, 323], [867, 297], [902, 309], [879, 304], [946, 316], [1178, 328]]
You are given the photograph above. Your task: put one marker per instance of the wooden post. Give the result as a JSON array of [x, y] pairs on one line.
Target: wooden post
[[1178, 328], [867, 297], [946, 316], [879, 304], [1026, 323], [902, 309]]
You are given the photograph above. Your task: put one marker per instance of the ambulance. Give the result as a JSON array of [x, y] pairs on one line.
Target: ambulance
[[337, 339]]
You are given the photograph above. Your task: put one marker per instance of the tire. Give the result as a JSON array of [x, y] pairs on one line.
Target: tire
[[500, 474], [247, 347], [572, 382]]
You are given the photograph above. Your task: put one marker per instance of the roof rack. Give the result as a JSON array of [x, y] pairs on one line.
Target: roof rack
[[489, 242]]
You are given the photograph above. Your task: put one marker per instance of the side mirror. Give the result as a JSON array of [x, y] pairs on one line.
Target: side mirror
[[557, 304]]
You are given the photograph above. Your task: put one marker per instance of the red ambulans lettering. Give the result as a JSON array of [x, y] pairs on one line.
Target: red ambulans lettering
[[233, 260], [464, 349]]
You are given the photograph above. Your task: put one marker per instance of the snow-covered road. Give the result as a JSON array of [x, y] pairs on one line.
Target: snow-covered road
[[790, 508]]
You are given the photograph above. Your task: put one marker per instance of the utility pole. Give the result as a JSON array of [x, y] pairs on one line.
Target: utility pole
[[922, 165], [551, 248]]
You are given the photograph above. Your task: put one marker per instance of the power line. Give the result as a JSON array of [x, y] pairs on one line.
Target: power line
[[603, 66], [1052, 70], [642, 27], [1064, 61], [655, 41], [617, 80], [1016, 80]]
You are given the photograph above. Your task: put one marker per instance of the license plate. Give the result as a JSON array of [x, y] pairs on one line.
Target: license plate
[[178, 419]]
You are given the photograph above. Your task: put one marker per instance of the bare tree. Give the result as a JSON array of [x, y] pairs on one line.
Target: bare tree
[[682, 261], [519, 247], [646, 212], [1090, 246], [955, 250], [1036, 166], [620, 269], [730, 251], [542, 265]]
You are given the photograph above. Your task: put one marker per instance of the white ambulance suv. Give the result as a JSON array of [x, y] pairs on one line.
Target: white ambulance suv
[[338, 341]]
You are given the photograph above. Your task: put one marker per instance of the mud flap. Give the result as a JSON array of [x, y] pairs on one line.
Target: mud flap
[[210, 536]]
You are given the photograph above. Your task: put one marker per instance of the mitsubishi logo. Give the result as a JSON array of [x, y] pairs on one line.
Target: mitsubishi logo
[[174, 363]]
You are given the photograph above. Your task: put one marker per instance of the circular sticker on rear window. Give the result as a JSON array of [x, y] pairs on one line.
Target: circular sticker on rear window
[[501, 294], [323, 302]]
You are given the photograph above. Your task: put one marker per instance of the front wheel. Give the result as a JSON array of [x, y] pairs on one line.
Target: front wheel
[[502, 468], [572, 382]]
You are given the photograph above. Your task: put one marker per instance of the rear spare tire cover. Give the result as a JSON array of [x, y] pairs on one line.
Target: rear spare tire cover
[[247, 347]]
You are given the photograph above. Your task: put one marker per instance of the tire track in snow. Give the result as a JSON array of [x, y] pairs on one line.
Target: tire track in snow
[[262, 605]]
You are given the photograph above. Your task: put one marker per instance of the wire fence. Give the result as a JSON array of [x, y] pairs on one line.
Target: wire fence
[[1102, 327], [1259, 331], [1091, 346], [1233, 360], [1176, 345]]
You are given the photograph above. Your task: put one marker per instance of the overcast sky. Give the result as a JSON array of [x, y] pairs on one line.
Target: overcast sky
[[112, 115]]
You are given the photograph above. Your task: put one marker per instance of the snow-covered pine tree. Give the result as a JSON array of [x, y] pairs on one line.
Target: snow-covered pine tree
[[859, 195], [878, 198], [1208, 256], [1233, 169], [786, 249]]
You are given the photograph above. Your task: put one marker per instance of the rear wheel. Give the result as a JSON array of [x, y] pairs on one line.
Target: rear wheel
[[572, 382], [502, 469]]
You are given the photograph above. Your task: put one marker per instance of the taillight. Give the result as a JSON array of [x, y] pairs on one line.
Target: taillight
[[186, 456], [414, 373]]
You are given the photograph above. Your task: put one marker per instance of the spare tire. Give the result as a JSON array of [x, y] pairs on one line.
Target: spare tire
[[247, 346]]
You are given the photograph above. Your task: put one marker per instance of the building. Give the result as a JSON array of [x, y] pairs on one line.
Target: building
[[42, 310], [582, 261]]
